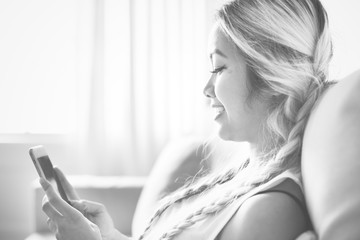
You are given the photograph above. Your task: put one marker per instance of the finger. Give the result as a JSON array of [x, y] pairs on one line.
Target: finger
[[309, 235], [54, 199], [68, 188], [50, 211], [52, 226], [88, 207]]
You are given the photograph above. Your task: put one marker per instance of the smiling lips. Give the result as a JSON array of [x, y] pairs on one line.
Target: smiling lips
[[218, 110]]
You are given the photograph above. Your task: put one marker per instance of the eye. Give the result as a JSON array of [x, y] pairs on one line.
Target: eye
[[217, 70]]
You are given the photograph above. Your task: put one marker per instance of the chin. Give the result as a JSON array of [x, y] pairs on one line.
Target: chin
[[228, 135]]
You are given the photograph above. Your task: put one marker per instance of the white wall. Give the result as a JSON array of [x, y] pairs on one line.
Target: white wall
[[344, 21]]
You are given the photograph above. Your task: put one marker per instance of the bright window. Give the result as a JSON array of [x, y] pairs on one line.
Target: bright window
[[38, 66], [344, 21]]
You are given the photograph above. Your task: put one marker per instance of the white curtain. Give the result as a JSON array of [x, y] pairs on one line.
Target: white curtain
[[142, 67]]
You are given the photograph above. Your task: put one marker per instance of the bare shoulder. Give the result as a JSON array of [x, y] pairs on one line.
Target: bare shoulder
[[272, 215], [330, 161]]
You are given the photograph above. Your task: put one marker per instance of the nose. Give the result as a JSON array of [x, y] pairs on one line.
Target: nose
[[209, 89]]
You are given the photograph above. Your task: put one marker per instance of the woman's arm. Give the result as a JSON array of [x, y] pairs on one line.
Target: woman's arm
[[331, 162], [271, 216]]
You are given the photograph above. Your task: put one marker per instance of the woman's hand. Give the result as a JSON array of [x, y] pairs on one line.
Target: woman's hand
[[94, 212], [97, 214], [65, 221]]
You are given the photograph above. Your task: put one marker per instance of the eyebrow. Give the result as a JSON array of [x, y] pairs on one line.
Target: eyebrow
[[217, 51]]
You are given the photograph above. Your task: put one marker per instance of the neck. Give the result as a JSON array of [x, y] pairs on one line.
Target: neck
[[258, 148], [255, 152]]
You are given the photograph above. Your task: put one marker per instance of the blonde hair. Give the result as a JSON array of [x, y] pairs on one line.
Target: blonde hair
[[287, 47]]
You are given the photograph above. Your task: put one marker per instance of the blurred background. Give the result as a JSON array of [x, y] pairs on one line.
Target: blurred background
[[104, 85]]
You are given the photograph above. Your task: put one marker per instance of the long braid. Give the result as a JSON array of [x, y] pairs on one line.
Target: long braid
[[217, 206], [290, 152], [201, 214], [192, 190]]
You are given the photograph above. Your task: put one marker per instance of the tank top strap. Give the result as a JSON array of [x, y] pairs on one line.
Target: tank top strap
[[290, 188], [293, 190]]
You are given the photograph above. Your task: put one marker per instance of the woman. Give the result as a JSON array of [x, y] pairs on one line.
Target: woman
[[270, 65]]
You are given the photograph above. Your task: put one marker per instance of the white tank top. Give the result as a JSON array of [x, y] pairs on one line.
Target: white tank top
[[209, 228]]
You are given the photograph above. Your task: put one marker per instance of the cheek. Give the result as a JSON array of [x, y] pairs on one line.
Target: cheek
[[231, 92], [221, 89]]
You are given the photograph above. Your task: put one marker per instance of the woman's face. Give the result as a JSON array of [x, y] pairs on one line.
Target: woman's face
[[228, 92]]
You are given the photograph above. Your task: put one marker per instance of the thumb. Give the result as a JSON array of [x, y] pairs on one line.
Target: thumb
[[87, 207], [309, 235]]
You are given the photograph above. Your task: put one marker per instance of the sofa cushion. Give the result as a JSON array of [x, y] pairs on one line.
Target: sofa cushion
[[179, 161], [331, 161]]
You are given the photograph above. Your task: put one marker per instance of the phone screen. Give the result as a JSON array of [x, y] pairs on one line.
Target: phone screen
[[45, 169]]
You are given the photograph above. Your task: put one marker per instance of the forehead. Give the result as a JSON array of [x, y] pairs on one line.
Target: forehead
[[218, 41]]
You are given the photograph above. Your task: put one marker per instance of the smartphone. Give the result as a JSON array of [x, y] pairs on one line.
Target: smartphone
[[45, 169]]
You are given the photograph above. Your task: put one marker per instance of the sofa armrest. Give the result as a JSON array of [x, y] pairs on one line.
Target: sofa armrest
[[118, 194]]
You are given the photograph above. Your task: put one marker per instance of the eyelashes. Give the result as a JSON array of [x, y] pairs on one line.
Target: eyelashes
[[217, 70]]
